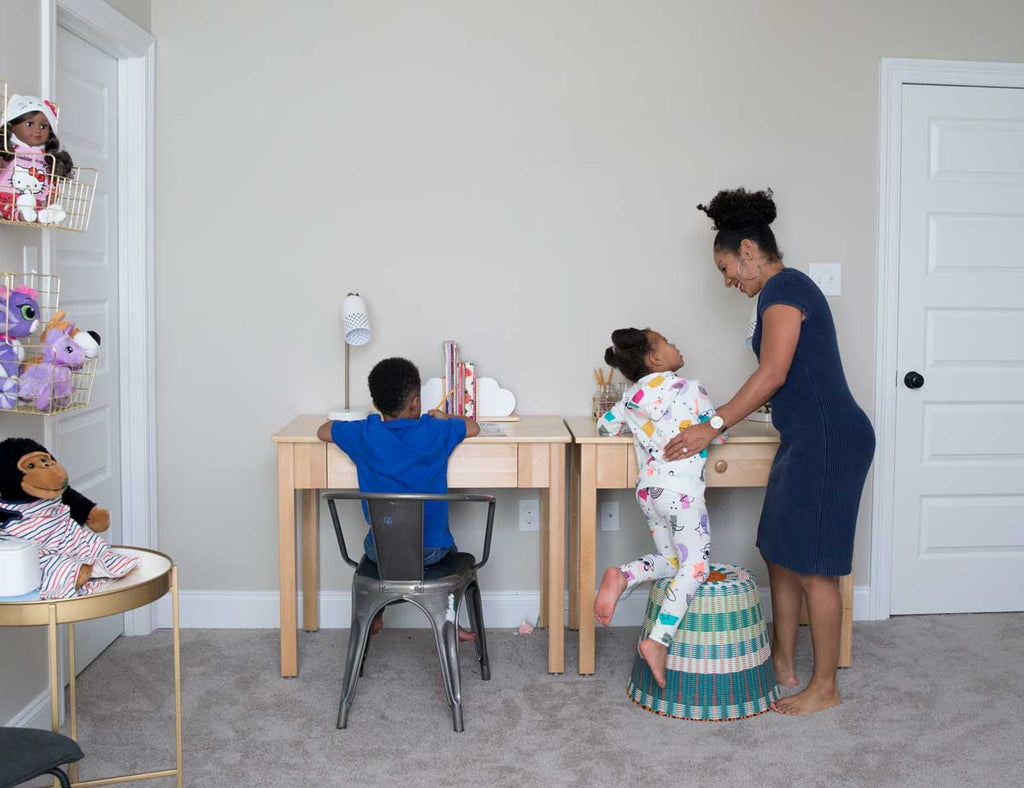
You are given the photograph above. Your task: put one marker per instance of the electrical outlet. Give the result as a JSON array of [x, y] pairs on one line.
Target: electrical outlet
[[610, 516], [529, 514], [828, 277]]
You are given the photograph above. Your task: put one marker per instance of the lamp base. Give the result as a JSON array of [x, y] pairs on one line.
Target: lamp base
[[347, 415]]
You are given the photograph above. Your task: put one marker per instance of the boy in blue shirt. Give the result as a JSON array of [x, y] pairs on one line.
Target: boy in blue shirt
[[400, 451]]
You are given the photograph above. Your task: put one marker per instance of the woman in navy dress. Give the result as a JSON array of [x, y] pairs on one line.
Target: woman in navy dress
[[814, 489]]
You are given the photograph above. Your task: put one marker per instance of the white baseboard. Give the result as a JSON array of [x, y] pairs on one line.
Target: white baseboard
[[35, 715], [502, 609]]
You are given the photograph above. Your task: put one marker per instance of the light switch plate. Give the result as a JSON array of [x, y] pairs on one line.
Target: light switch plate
[[828, 277]]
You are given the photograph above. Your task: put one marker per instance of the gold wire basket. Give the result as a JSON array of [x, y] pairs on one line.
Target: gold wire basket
[[47, 365], [54, 202]]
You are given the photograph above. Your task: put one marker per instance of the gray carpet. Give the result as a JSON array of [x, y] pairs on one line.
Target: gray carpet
[[932, 700]]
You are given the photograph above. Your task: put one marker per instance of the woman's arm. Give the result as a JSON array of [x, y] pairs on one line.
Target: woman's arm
[[780, 332]]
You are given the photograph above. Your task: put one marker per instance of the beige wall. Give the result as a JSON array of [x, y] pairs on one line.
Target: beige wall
[[139, 11], [518, 176]]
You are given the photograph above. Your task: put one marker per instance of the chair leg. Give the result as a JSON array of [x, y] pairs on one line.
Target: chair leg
[[446, 636], [358, 635], [61, 777], [476, 620]]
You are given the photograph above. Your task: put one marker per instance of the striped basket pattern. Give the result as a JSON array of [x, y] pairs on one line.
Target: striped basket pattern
[[719, 665]]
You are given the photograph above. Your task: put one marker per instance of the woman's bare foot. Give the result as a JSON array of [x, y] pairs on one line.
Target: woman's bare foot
[[378, 623], [612, 585], [814, 698], [465, 636], [784, 674], [655, 654]]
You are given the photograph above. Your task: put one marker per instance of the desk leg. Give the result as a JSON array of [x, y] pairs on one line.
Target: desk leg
[[311, 560], [545, 565], [286, 558], [587, 554], [846, 632], [553, 506], [574, 537]]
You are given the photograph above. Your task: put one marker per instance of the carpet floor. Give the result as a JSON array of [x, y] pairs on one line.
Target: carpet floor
[[930, 701]]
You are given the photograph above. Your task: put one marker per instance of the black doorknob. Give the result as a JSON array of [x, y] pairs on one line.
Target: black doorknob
[[913, 380]]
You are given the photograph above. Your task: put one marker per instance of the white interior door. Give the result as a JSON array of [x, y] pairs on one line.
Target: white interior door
[[88, 441], [958, 532]]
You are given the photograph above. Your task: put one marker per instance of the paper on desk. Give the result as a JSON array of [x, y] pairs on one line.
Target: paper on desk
[[491, 429]]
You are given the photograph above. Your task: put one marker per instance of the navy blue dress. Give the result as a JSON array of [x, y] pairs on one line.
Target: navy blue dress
[[814, 489]]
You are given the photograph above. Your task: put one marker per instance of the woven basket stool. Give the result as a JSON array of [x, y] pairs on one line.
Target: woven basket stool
[[719, 664]]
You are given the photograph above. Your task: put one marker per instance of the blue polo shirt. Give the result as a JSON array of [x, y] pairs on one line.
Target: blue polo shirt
[[405, 456]]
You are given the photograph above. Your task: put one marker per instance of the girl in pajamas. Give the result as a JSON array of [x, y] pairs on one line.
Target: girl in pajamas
[[671, 494]]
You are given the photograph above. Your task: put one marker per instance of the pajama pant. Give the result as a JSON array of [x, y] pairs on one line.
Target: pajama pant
[[679, 526]]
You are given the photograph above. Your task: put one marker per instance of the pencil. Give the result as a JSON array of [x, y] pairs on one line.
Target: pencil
[[445, 398]]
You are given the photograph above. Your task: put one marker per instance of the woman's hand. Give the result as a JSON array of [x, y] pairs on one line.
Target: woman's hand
[[692, 440]]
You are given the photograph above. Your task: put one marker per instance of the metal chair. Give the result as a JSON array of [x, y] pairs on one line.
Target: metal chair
[[26, 753], [399, 576]]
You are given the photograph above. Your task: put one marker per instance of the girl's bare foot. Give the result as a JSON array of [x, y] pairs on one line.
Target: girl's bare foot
[[612, 585], [784, 674], [814, 698], [465, 636], [378, 623], [655, 654]]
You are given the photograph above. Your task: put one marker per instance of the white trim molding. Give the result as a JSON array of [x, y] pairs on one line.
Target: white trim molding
[[35, 715], [893, 75], [99, 24], [502, 609]]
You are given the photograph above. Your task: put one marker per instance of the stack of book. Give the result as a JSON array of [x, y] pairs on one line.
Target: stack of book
[[460, 382]]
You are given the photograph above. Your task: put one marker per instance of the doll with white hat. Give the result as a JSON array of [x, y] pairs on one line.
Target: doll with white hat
[[31, 154]]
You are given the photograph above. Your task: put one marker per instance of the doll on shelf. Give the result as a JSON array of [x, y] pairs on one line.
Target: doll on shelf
[[30, 151]]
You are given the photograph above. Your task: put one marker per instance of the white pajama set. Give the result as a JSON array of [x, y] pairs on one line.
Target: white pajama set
[[671, 494]]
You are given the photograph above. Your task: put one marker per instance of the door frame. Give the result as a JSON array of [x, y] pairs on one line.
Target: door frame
[[894, 73], [134, 48]]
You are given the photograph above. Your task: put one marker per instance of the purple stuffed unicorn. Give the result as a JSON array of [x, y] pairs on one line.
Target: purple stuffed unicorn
[[19, 317], [48, 381]]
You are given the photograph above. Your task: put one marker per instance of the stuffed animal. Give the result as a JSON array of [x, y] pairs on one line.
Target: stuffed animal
[[37, 504], [19, 317], [47, 381]]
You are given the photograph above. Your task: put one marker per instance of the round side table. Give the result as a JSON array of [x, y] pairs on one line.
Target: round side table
[[155, 576]]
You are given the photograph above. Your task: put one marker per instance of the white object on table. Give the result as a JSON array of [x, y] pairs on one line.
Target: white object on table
[[19, 566]]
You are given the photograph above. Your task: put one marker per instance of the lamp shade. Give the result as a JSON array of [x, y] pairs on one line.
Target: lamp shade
[[355, 320]]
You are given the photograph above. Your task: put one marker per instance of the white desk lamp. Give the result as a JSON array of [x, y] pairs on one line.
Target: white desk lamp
[[356, 325]]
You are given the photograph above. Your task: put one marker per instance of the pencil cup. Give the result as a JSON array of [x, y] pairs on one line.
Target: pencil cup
[[605, 397]]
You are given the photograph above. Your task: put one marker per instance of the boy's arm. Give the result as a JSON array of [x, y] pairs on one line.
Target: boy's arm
[[472, 428], [612, 422], [324, 433]]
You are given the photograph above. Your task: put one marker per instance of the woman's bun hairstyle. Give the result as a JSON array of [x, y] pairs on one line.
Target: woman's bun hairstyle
[[628, 352], [737, 214]]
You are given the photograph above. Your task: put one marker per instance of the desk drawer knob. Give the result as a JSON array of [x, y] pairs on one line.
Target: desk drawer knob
[[721, 466]]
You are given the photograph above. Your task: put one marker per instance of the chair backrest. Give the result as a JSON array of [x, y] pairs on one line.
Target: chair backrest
[[397, 523]]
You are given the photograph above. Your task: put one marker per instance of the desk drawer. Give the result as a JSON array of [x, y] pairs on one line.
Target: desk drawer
[[739, 464], [471, 465]]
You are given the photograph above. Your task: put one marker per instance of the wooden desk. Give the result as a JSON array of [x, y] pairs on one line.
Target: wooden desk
[[531, 454], [602, 463]]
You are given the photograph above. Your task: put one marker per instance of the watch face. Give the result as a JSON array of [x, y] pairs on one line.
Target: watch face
[[717, 422]]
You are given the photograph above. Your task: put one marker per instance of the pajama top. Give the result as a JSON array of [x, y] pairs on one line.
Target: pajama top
[[655, 409]]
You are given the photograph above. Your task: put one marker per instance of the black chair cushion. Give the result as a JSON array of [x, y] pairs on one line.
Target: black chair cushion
[[29, 752], [452, 564]]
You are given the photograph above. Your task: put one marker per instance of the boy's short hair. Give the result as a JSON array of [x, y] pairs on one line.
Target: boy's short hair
[[392, 382]]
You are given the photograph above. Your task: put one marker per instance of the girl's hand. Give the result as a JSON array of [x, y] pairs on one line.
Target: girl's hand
[[692, 440], [437, 414]]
